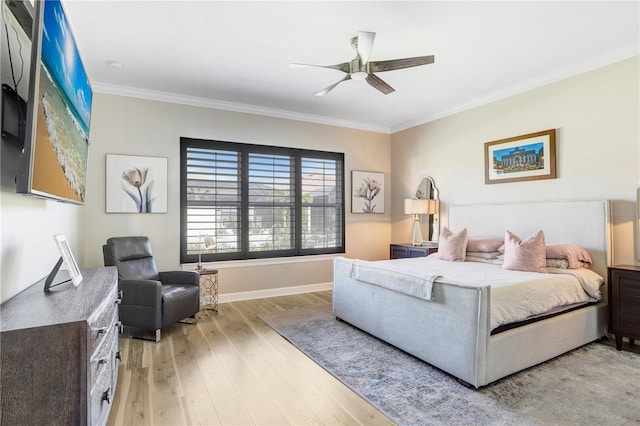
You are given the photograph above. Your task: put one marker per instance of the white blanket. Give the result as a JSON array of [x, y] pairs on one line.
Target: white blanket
[[515, 295], [394, 276]]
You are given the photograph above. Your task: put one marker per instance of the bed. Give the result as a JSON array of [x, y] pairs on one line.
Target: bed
[[453, 330]]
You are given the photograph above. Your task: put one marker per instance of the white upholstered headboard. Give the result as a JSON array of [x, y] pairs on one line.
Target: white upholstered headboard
[[585, 223]]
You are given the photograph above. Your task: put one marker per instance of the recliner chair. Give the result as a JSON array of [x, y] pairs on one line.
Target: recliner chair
[[151, 300]]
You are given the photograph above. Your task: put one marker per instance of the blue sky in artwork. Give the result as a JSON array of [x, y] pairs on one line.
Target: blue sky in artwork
[[60, 53], [497, 154]]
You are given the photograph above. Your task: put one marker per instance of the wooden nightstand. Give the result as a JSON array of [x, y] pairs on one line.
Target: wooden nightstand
[[624, 303], [402, 251]]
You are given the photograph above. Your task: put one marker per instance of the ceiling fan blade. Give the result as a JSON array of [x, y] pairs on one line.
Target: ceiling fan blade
[[365, 45], [396, 64], [344, 67], [330, 88], [379, 84]]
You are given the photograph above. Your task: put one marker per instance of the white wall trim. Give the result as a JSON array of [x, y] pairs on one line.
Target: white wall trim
[[132, 92], [617, 55], [263, 262], [273, 292]]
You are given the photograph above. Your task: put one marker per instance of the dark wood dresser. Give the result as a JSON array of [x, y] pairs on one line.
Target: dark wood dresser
[[402, 251], [624, 303], [59, 354]]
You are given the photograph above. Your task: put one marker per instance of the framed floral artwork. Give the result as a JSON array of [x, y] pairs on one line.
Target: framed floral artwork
[[136, 184], [367, 192]]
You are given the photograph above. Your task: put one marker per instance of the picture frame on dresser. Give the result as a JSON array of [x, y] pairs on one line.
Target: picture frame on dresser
[[66, 256]]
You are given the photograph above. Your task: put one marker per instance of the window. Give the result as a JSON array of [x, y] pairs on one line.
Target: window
[[259, 201]]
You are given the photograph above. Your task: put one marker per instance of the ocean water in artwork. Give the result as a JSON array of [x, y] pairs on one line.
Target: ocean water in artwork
[[67, 132]]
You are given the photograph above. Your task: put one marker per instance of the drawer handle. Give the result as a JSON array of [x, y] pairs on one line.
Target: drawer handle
[[119, 326], [102, 330], [118, 356], [119, 299], [104, 360], [105, 395]]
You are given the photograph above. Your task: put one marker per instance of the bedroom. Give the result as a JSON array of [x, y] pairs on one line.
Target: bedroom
[[596, 113]]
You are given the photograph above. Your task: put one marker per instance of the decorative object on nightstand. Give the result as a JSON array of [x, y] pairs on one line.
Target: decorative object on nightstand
[[416, 207], [208, 291], [402, 251], [427, 190], [624, 303]]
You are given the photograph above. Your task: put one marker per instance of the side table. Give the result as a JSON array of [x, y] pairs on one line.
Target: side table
[[402, 251], [208, 291], [624, 303]]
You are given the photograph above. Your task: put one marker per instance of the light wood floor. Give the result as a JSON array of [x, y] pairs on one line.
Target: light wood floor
[[232, 369]]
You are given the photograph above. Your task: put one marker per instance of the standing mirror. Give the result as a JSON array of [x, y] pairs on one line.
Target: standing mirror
[[427, 190]]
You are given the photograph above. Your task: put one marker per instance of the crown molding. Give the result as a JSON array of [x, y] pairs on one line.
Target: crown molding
[[546, 79], [132, 92], [549, 78]]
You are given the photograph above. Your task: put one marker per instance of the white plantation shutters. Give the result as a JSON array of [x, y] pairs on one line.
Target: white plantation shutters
[[259, 201]]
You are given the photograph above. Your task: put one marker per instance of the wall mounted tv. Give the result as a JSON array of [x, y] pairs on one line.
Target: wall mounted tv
[[54, 160]]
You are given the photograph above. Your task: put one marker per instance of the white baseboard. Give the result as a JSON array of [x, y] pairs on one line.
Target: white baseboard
[[273, 292]]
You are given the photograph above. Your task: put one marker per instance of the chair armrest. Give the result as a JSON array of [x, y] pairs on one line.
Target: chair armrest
[[180, 277], [141, 292]]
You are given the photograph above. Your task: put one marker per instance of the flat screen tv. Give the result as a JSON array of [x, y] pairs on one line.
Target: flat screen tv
[[54, 160]]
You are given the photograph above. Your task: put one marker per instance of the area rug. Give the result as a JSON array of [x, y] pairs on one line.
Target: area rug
[[592, 385]]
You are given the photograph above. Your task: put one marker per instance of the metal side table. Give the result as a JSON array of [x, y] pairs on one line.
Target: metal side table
[[208, 292]]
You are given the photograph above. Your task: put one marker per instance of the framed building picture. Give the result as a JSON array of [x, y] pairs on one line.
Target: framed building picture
[[521, 158], [367, 192]]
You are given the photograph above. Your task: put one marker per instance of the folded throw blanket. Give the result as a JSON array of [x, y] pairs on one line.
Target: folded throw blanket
[[419, 286]]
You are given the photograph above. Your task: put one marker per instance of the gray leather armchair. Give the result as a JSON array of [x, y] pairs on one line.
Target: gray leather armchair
[[151, 300]]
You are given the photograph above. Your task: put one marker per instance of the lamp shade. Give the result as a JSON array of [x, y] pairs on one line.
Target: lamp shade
[[209, 242], [420, 206]]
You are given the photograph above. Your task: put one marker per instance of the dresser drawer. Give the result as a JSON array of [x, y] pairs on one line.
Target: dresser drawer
[[103, 320], [104, 374], [101, 358]]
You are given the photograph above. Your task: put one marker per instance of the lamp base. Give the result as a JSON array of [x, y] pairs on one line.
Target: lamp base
[[417, 232]]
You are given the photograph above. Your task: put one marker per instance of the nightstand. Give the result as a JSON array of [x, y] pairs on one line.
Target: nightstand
[[624, 303], [208, 291], [402, 251]]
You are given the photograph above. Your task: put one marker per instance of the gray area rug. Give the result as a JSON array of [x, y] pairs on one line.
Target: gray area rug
[[592, 385]]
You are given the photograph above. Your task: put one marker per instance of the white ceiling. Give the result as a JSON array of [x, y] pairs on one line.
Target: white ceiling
[[235, 54]]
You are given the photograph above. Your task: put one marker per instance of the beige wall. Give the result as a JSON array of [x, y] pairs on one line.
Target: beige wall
[[124, 125], [596, 117]]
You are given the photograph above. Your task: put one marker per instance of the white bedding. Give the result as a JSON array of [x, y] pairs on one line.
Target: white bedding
[[515, 295]]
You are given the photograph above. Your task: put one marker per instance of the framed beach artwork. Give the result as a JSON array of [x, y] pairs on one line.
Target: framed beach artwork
[[367, 192], [521, 158], [136, 184]]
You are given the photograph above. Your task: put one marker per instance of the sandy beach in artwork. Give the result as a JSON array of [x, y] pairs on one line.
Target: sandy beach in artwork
[[48, 175]]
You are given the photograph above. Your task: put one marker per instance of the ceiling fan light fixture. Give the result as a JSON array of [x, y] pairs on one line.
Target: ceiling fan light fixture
[[360, 75], [360, 68]]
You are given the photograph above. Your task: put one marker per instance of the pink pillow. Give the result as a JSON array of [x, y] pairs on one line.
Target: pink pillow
[[577, 256], [452, 246], [483, 244], [525, 255]]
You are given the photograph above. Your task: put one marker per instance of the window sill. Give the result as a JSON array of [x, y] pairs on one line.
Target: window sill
[[263, 262]]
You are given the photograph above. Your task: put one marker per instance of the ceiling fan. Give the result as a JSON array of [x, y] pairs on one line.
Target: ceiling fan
[[361, 69]]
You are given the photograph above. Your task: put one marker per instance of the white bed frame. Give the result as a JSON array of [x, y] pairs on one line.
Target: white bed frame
[[451, 331]]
